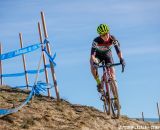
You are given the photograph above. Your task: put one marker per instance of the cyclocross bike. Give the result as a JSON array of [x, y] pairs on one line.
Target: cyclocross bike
[[109, 95]]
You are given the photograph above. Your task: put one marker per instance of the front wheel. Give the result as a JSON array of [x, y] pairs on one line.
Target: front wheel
[[115, 105], [106, 99]]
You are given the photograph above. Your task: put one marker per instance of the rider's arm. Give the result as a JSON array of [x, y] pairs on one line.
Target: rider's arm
[[93, 55], [118, 50], [117, 47], [119, 53], [93, 52]]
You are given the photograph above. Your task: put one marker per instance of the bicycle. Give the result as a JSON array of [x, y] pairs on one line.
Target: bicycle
[[109, 95]]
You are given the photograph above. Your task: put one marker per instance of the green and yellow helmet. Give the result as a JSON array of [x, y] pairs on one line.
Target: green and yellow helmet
[[102, 29]]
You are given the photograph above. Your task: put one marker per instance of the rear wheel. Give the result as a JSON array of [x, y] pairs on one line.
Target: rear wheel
[[115, 105]]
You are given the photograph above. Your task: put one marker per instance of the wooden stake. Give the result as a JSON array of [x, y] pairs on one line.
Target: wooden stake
[[158, 111], [24, 62], [49, 51], [142, 116], [1, 64], [44, 58]]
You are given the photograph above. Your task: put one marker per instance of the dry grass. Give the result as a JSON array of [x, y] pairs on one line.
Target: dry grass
[[44, 113]]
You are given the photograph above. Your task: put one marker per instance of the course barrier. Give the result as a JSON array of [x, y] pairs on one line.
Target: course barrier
[[39, 86]]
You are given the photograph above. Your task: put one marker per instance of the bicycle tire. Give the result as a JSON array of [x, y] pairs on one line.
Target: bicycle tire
[[114, 99], [106, 101], [108, 97]]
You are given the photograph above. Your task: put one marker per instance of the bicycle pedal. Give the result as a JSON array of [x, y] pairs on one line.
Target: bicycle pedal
[[115, 108], [102, 98], [113, 99]]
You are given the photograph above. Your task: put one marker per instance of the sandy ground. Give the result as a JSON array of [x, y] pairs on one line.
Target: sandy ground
[[44, 113]]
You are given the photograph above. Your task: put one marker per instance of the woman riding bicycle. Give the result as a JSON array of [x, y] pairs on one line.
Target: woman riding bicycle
[[101, 51]]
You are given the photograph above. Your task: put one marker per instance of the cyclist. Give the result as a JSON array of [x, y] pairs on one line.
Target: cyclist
[[101, 51]]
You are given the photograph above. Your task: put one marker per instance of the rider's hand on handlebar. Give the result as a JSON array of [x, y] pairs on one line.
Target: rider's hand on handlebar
[[95, 62], [123, 64]]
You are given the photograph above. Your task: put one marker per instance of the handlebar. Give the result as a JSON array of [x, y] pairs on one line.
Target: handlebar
[[108, 65], [101, 65]]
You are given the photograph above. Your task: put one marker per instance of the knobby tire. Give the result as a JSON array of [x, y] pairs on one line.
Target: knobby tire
[[114, 100]]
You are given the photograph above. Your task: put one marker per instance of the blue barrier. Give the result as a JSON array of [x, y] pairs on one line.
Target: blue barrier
[[23, 73], [28, 71], [50, 57], [39, 86], [13, 110], [23, 51], [20, 51], [37, 89]]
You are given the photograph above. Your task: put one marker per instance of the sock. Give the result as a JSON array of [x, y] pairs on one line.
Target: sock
[[98, 80]]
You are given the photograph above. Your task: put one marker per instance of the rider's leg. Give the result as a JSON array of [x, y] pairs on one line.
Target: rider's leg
[[109, 59], [94, 72], [113, 75], [112, 71], [95, 75]]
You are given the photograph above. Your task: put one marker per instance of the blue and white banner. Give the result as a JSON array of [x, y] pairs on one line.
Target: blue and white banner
[[39, 86], [23, 73], [20, 51]]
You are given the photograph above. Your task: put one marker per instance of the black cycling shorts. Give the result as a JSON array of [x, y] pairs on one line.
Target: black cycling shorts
[[107, 57]]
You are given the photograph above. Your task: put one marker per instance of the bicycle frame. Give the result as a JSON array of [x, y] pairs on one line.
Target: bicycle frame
[[107, 74], [106, 77], [110, 93]]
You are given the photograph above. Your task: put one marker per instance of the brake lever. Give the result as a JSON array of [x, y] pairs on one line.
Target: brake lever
[[122, 68]]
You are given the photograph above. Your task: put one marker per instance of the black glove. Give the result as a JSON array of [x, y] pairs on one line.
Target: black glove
[[123, 64]]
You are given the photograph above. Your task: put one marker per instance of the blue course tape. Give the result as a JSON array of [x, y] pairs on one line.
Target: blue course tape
[[37, 89], [13, 110], [20, 51], [23, 51], [50, 57], [46, 41], [12, 75], [23, 73]]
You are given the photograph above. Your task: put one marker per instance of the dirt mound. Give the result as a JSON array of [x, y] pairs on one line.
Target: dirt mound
[[44, 113]]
